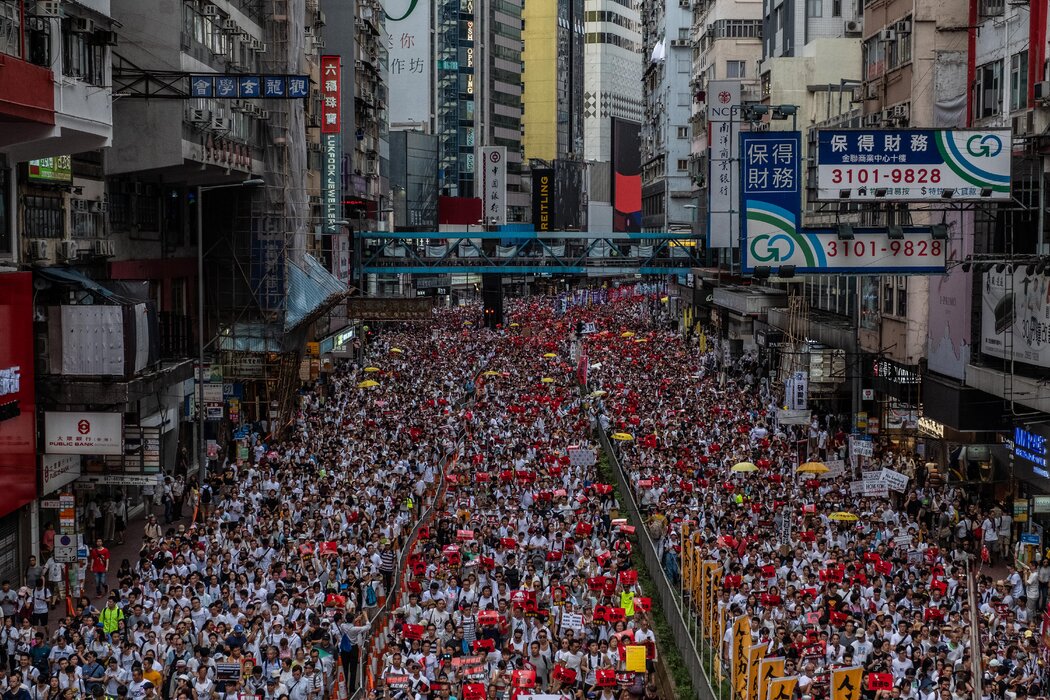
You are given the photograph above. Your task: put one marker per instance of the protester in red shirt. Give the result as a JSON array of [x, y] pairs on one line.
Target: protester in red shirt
[[100, 566]]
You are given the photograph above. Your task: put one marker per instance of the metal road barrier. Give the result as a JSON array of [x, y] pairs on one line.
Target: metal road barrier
[[677, 618]]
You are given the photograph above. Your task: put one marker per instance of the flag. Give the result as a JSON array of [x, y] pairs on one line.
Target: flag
[[845, 683], [782, 688], [768, 669], [754, 655], [740, 644]]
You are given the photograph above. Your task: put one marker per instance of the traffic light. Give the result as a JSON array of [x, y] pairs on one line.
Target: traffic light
[[492, 301]]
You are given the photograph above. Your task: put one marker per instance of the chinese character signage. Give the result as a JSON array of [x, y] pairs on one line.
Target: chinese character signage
[[798, 391], [1015, 317], [411, 70], [17, 392], [772, 235], [331, 121], [289, 87], [267, 274], [723, 175], [908, 165], [494, 183]]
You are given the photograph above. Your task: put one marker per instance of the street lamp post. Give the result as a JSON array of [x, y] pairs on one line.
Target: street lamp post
[[202, 451]]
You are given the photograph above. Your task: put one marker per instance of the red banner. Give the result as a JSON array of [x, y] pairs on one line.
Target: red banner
[[331, 109], [18, 461]]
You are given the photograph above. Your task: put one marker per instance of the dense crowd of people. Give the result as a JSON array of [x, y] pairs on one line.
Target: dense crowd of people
[[884, 587], [273, 586], [472, 452]]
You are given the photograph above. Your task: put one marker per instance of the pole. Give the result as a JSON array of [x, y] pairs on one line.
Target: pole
[[202, 451]]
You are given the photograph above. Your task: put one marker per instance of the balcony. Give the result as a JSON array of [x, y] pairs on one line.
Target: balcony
[[176, 335], [27, 94]]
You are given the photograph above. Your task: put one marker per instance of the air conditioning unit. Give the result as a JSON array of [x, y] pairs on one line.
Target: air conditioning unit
[[681, 43], [684, 4], [107, 37], [1042, 91], [887, 35], [81, 25], [99, 207], [199, 116], [49, 8], [904, 26], [68, 250], [372, 168], [230, 25], [315, 201], [853, 28], [255, 44], [261, 48], [319, 44], [262, 114], [320, 20], [78, 204], [39, 250], [900, 111], [210, 11], [220, 124]]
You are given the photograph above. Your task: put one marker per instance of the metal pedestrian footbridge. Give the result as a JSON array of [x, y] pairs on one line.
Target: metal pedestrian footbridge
[[589, 253]]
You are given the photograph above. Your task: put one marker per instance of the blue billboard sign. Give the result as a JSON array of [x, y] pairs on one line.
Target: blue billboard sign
[[772, 234], [289, 87]]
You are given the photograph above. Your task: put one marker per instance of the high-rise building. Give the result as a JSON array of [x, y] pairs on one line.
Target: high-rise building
[[455, 42], [612, 73], [666, 138], [554, 84], [498, 74]]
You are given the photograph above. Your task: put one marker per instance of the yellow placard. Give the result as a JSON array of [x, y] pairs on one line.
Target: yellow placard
[[754, 656], [768, 669], [740, 646], [845, 683], [782, 688], [635, 660]]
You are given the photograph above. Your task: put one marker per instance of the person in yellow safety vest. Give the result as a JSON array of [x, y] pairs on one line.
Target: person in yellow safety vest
[[110, 617]]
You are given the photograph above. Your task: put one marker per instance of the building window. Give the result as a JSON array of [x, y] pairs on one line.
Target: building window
[[895, 296], [685, 65], [83, 56], [898, 51], [735, 69], [988, 90], [1019, 80], [814, 8], [684, 99], [43, 217], [990, 8], [87, 224], [874, 58], [683, 165], [683, 132], [836, 8]]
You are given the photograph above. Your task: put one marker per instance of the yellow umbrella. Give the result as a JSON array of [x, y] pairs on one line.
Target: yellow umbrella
[[627, 334], [664, 299], [367, 384], [371, 369], [547, 380], [743, 467], [598, 394], [467, 323], [641, 340], [490, 373], [812, 468], [843, 516], [397, 350], [515, 325], [549, 355], [622, 437]]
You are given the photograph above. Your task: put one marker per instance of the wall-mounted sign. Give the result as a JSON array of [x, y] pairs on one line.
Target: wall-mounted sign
[[907, 165], [928, 426], [1015, 317], [723, 175], [56, 471], [1030, 446], [55, 169], [494, 183], [83, 433], [267, 87]]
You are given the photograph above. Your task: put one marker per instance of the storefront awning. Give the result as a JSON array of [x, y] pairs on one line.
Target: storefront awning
[[69, 276], [310, 287]]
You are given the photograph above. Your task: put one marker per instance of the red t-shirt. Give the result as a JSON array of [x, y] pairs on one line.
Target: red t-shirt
[[99, 560]]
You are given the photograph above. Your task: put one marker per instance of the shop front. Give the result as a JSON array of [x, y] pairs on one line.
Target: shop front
[[893, 405]]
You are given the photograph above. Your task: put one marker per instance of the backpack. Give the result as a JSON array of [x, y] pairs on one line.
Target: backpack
[[345, 645], [370, 596]]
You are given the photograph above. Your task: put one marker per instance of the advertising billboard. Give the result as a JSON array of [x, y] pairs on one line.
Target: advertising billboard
[[17, 392], [410, 68], [627, 176], [543, 199], [723, 174], [494, 183], [83, 433], [909, 165], [1015, 317], [950, 305], [56, 169], [331, 146], [772, 235], [331, 109]]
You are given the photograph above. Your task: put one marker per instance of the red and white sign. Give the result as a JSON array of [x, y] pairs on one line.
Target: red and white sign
[[17, 392], [83, 433], [57, 471], [331, 108]]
